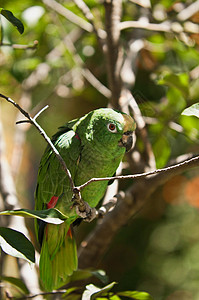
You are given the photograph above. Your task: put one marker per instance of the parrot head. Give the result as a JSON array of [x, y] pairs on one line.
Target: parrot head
[[111, 130]]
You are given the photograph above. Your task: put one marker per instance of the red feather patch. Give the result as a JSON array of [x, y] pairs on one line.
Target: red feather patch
[[52, 202], [77, 136], [69, 233]]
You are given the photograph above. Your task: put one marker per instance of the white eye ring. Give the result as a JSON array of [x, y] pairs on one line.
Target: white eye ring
[[112, 127]]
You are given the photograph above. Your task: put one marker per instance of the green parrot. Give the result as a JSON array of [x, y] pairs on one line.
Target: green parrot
[[92, 146]]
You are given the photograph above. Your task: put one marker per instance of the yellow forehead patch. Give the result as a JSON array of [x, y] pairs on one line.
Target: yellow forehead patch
[[129, 123]]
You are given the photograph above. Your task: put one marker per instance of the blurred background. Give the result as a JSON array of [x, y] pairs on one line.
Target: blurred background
[[57, 63]]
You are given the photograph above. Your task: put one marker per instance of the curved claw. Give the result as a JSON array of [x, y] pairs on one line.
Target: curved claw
[[86, 212]]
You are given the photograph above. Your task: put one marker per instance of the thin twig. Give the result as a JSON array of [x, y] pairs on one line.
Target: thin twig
[[162, 27], [165, 27], [45, 136], [100, 33], [88, 75], [20, 47], [189, 11], [59, 292], [38, 114], [60, 9], [187, 162]]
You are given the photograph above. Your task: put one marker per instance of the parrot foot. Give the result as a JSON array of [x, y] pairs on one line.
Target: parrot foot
[[86, 212], [83, 209]]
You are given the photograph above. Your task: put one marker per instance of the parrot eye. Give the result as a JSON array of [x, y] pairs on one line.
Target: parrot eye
[[111, 127]]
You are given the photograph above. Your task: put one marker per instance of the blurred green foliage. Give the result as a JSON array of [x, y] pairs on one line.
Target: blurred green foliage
[[158, 252]]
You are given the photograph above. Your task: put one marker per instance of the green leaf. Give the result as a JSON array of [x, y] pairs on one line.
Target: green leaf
[[192, 110], [135, 295], [79, 275], [18, 283], [101, 275], [87, 273], [16, 244], [90, 290], [162, 151], [12, 19], [70, 291], [51, 215], [114, 297], [179, 81], [93, 292]]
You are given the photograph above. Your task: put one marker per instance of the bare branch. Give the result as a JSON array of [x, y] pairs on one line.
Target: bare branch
[[21, 47], [60, 9], [165, 27], [55, 293], [189, 11], [113, 52], [174, 27], [42, 132], [100, 33], [39, 113], [88, 75], [105, 208], [96, 83], [143, 3], [182, 166]]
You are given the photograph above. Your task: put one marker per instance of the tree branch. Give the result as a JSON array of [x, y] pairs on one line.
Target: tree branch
[[174, 27], [42, 132], [88, 75], [60, 9], [189, 11], [20, 47], [112, 51], [101, 34]]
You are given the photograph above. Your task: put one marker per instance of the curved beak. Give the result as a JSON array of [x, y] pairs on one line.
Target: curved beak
[[126, 140]]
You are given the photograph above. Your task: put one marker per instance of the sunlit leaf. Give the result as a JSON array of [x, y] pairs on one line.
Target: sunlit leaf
[[90, 290], [12, 19], [192, 110], [87, 273], [135, 295], [93, 292], [51, 215], [70, 293], [18, 283], [16, 244], [179, 81]]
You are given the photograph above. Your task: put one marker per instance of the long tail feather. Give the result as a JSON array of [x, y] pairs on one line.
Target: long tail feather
[[58, 258]]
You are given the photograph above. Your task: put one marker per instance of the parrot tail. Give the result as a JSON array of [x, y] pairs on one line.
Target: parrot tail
[[58, 258]]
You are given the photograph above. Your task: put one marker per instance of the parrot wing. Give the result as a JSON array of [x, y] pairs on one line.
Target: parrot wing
[[58, 257], [52, 180]]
